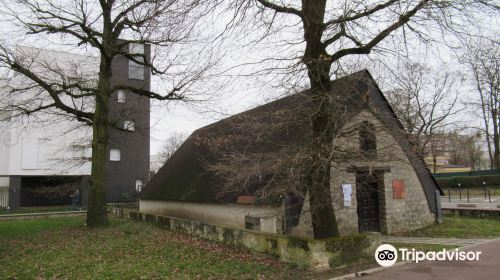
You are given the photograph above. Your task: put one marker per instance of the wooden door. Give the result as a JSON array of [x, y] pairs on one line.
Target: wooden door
[[367, 195]]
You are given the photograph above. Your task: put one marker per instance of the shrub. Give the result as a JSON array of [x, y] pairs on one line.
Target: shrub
[[469, 181]]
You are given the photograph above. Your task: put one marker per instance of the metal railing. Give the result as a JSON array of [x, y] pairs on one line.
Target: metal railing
[[466, 194], [31, 200]]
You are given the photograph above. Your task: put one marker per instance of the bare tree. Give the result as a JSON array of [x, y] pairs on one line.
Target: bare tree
[[330, 31], [108, 28], [464, 149], [424, 100], [171, 144], [483, 60]]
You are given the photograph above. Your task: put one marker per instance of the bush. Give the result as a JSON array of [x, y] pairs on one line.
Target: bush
[[469, 181]]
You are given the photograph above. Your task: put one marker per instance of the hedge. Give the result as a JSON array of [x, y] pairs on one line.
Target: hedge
[[469, 181]]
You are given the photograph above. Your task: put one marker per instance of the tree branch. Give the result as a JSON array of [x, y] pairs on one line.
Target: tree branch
[[281, 9], [366, 48]]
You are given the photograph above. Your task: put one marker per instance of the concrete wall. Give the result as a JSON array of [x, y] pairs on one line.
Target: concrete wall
[[318, 254], [396, 215], [219, 214]]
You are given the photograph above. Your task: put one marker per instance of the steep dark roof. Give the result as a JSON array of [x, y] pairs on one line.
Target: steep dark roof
[[285, 121]]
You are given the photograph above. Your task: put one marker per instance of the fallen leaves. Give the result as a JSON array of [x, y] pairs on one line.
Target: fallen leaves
[[128, 250]]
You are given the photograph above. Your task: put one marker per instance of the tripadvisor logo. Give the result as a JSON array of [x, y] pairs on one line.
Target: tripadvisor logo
[[387, 255]]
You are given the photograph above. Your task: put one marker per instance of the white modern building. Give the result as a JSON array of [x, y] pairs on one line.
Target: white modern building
[[48, 148]]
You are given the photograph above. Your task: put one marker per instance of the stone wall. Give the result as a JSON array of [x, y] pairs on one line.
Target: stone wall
[[304, 252], [396, 215]]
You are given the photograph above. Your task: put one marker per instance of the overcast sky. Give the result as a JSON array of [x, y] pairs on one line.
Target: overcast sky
[[234, 91]]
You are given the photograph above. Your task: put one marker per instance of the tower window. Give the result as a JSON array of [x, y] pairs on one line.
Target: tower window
[[121, 96], [129, 125], [138, 185], [136, 70], [114, 155]]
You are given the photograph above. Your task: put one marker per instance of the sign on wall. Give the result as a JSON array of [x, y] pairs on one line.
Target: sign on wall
[[398, 189], [347, 192]]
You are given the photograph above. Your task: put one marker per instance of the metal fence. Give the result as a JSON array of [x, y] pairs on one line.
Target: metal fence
[[472, 194], [38, 200]]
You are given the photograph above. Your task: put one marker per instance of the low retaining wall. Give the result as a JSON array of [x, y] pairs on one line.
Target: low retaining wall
[[473, 212], [320, 254], [31, 216]]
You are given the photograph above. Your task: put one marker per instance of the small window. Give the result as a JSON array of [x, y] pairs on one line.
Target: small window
[[114, 155], [252, 222], [138, 185], [129, 125], [121, 96], [136, 70], [367, 140]]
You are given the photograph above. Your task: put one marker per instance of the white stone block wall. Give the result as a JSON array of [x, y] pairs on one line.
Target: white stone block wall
[[396, 215]]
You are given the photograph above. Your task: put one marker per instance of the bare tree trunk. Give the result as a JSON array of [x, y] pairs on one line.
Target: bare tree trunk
[[100, 25], [434, 161], [97, 197], [318, 66], [496, 137], [97, 212], [323, 216]]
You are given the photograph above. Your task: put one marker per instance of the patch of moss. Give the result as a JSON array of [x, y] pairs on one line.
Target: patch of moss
[[348, 242], [296, 242], [347, 249], [272, 243], [164, 222], [228, 235], [298, 256], [210, 229], [134, 215], [150, 218]]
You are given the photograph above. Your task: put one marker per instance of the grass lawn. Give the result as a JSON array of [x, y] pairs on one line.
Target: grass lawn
[[28, 228], [461, 227], [63, 248]]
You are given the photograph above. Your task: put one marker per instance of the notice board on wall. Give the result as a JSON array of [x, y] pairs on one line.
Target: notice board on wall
[[347, 193]]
